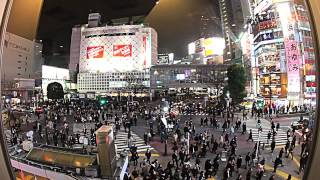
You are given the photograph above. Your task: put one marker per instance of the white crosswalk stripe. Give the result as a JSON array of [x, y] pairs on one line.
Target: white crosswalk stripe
[[194, 114], [121, 142], [280, 138]]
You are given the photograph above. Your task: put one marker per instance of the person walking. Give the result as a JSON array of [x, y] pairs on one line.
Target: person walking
[[250, 136], [248, 175], [148, 155], [291, 152], [277, 162], [239, 162], [247, 160], [273, 145]]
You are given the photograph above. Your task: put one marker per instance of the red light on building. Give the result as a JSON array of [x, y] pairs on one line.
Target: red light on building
[[311, 84]]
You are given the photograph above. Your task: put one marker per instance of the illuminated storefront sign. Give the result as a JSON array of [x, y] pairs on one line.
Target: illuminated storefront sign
[[267, 25]]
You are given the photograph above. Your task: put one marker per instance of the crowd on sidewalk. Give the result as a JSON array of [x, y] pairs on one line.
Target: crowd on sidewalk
[[190, 159], [192, 149]]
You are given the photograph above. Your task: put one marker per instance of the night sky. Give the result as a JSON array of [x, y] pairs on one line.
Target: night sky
[[176, 21]]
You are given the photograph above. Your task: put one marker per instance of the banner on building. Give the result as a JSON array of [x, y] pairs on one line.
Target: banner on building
[[122, 50], [95, 52], [293, 65]]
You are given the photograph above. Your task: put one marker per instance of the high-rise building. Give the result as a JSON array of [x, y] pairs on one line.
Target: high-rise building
[[21, 62], [234, 15], [113, 60], [22, 58], [208, 26]]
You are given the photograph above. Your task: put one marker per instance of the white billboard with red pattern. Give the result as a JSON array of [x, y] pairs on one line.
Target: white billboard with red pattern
[[117, 49]]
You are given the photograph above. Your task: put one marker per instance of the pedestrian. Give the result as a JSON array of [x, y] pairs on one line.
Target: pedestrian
[[272, 177], [277, 162], [250, 136], [286, 147], [239, 162], [247, 160], [239, 177], [226, 174], [278, 126], [281, 153], [148, 155], [290, 152], [302, 163], [145, 138], [273, 145], [289, 177], [269, 137], [248, 175], [244, 127]]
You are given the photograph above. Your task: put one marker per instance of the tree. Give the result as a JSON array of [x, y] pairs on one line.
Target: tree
[[55, 91], [236, 82]]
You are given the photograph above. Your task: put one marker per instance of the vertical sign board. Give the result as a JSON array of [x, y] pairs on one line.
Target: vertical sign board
[[293, 65], [292, 53]]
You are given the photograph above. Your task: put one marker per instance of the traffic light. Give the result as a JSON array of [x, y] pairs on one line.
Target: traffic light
[[103, 101], [260, 104]]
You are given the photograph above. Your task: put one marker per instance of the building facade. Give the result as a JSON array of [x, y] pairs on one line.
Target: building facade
[[22, 59], [115, 58], [284, 63], [207, 51], [234, 15], [188, 76]]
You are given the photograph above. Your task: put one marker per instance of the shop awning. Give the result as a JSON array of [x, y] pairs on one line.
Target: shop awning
[[60, 158]]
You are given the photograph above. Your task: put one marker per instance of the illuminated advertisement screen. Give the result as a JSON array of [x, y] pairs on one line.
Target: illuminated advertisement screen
[[50, 72], [191, 48], [181, 77], [115, 49], [214, 46]]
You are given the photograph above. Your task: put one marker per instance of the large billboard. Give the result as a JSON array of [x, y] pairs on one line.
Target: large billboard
[[214, 46], [116, 49]]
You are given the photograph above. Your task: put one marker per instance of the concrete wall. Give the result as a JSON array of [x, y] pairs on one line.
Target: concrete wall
[[314, 159], [5, 170]]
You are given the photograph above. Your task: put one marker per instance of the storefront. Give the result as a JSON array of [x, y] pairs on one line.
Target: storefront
[[284, 53]]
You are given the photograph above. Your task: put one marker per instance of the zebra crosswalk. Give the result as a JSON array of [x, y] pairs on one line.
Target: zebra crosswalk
[[121, 142], [194, 114], [280, 138]]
